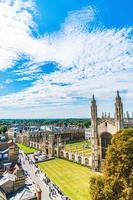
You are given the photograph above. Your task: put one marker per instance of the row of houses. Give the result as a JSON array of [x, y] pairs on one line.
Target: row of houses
[[13, 184]]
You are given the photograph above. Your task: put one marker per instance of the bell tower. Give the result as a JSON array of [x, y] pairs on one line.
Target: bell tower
[[118, 112], [95, 134]]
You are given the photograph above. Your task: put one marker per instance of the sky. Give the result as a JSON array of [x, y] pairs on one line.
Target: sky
[[55, 54]]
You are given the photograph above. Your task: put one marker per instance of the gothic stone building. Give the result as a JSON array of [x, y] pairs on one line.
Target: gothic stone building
[[50, 139], [103, 128]]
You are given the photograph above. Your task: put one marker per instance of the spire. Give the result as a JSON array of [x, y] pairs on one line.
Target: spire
[[93, 108], [118, 112], [93, 99], [118, 93], [118, 98], [128, 116]]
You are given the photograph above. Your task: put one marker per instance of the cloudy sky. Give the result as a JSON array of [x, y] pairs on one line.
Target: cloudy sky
[[54, 54]]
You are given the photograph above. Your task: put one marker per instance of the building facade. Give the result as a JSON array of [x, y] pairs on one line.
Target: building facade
[[14, 131], [49, 139], [14, 185], [88, 134], [8, 155], [104, 127]]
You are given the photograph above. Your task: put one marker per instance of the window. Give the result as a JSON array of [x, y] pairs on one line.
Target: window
[[105, 141], [5, 156]]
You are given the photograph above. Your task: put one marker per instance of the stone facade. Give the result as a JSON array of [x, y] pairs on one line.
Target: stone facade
[[50, 140], [13, 186], [76, 157], [8, 155], [103, 128]]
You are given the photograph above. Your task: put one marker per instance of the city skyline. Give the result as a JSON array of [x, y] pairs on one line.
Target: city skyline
[[55, 55]]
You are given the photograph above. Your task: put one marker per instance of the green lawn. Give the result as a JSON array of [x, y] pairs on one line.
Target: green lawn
[[26, 149], [79, 146], [72, 179]]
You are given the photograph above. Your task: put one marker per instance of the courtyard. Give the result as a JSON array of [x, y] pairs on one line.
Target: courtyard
[[71, 178], [82, 147], [27, 150]]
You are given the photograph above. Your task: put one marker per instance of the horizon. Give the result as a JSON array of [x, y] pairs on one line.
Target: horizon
[[55, 55]]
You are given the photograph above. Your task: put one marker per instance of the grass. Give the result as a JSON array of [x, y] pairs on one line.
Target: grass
[[71, 178], [82, 147], [26, 149]]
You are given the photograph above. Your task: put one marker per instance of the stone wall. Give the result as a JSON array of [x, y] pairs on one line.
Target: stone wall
[[77, 158]]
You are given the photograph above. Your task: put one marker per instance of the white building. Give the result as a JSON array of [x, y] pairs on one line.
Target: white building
[[88, 134]]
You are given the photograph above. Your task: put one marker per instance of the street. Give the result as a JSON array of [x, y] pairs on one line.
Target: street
[[37, 177]]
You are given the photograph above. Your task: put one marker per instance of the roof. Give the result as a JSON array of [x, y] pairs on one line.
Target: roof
[[7, 177], [24, 193], [2, 194], [4, 151], [6, 145]]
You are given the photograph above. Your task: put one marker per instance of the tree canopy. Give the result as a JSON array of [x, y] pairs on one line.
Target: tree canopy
[[32, 122], [3, 128], [117, 181]]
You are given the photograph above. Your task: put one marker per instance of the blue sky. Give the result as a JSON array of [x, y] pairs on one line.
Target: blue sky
[[55, 54]]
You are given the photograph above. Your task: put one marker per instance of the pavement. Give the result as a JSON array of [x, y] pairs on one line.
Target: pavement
[[35, 179]]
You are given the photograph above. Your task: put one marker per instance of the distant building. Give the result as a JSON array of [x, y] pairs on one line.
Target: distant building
[[88, 134], [48, 138], [14, 131], [8, 155]]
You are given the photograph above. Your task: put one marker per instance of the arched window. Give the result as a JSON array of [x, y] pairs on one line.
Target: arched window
[[105, 141]]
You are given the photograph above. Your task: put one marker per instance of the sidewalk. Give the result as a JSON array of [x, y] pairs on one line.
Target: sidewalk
[[35, 179]]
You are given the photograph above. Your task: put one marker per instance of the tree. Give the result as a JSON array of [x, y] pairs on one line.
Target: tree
[[96, 187], [3, 128], [118, 168]]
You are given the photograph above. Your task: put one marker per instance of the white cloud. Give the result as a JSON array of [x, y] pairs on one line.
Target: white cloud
[[98, 61], [15, 21]]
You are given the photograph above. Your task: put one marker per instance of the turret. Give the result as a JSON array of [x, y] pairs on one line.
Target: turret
[[118, 112], [128, 116], [95, 134], [93, 113], [109, 115]]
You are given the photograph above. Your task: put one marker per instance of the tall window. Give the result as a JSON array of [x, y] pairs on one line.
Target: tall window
[[105, 141]]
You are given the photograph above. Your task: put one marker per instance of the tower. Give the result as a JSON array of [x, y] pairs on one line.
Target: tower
[[94, 114], [95, 134], [118, 112]]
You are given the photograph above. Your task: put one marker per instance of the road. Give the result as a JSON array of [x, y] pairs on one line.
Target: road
[[36, 179]]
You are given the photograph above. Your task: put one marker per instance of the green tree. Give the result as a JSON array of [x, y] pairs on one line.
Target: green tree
[[118, 168], [96, 187], [3, 128]]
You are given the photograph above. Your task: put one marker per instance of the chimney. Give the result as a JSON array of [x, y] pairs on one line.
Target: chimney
[[38, 193]]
